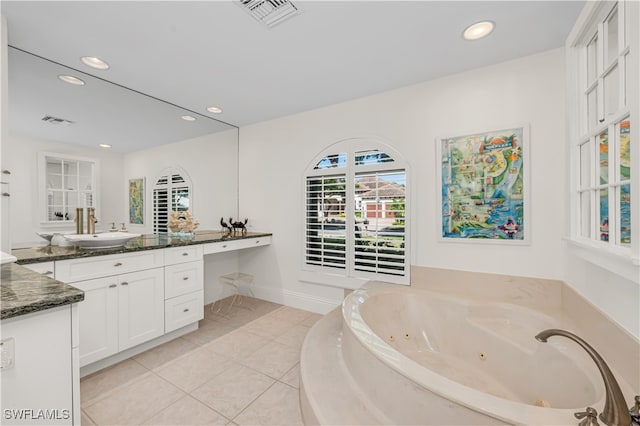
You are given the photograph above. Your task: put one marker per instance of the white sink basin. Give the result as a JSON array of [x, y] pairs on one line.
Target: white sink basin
[[99, 241]]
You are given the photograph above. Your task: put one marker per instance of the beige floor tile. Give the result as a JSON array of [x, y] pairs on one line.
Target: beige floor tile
[[311, 320], [193, 369], [237, 317], [274, 359], [135, 402], [289, 314], [279, 405], [187, 411], [160, 355], [294, 337], [292, 377], [237, 345], [268, 326], [85, 419], [207, 332], [95, 386], [230, 392]]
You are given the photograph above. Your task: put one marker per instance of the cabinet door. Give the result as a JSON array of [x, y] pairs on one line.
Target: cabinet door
[[41, 376], [98, 319], [140, 307]]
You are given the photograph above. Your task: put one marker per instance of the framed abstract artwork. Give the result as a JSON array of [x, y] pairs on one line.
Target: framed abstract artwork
[[136, 201], [483, 181]]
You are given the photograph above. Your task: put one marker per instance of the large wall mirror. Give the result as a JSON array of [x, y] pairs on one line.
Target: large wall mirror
[[44, 107]]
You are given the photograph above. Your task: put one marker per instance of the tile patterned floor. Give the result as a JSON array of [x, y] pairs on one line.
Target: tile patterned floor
[[241, 367]]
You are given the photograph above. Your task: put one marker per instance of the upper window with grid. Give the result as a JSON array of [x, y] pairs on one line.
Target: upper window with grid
[[603, 147]]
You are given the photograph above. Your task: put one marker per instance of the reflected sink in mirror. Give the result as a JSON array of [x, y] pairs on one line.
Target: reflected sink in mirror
[[100, 241]]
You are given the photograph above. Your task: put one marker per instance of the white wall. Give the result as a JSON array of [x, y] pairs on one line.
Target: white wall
[[528, 90], [20, 156], [211, 162]]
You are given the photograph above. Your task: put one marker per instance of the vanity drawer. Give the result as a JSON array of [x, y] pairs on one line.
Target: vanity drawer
[[86, 268], [183, 278], [236, 244], [182, 254], [183, 310], [44, 268]]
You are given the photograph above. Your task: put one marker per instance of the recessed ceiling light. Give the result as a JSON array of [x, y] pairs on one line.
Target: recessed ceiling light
[[478, 30], [93, 62], [71, 80], [104, 145], [214, 109], [188, 118]]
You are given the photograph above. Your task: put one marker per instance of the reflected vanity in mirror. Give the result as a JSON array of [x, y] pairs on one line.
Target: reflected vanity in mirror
[[44, 111]]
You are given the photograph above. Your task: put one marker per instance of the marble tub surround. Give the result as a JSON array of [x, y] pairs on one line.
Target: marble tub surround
[[459, 347], [619, 348], [24, 291], [143, 242], [251, 377]]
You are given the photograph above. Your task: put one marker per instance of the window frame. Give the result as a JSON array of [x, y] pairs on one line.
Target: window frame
[[349, 277], [584, 224], [169, 172], [43, 158]]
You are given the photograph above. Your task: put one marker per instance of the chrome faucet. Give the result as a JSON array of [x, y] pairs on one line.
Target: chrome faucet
[[615, 412], [91, 220]]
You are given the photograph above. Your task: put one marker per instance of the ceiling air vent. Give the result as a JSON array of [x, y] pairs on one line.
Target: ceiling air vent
[[269, 12], [55, 120]]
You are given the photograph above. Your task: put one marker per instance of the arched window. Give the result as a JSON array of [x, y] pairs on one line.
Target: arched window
[[356, 212], [172, 192]]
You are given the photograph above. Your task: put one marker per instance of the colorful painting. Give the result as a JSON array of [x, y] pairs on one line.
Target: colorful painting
[[136, 201], [483, 186]]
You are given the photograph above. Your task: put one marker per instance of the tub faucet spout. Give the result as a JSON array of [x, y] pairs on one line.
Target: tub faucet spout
[[615, 411]]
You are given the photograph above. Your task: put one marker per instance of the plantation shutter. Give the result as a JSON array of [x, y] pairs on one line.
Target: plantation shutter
[[379, 243], [171, 193], [325, 221]]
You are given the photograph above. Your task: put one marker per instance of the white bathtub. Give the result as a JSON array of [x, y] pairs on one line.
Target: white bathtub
[[429, 358]]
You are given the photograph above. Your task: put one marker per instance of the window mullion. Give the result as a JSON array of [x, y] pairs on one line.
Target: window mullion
[[349, 218]]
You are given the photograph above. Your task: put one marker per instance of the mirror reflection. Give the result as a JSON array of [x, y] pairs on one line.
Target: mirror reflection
[[45, 106], [56, 128]]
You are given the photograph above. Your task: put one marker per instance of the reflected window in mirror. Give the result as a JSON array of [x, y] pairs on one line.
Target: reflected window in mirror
[[172, 191], [66, 183]]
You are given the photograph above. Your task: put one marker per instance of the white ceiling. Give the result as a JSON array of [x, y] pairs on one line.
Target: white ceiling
[[200, 53]]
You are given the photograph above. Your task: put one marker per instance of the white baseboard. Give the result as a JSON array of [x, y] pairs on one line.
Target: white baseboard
[[128, 353], [294, 299]]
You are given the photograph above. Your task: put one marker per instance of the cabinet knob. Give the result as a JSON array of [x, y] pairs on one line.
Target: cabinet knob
[[113, 286], [6, 172], [185, 254], [257, 241], [6, 194], [118, 264], [224, 246], [185, 278], [47, 273], [186, 310], [124, 283]]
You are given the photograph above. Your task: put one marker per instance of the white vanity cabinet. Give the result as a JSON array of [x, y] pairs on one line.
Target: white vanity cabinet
[[42, 379], [184, 286], [120, 312], [123, 307], [45, 268]]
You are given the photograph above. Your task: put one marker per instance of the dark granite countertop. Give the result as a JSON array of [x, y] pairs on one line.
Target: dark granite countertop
[[24, 291], [144, 242]]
